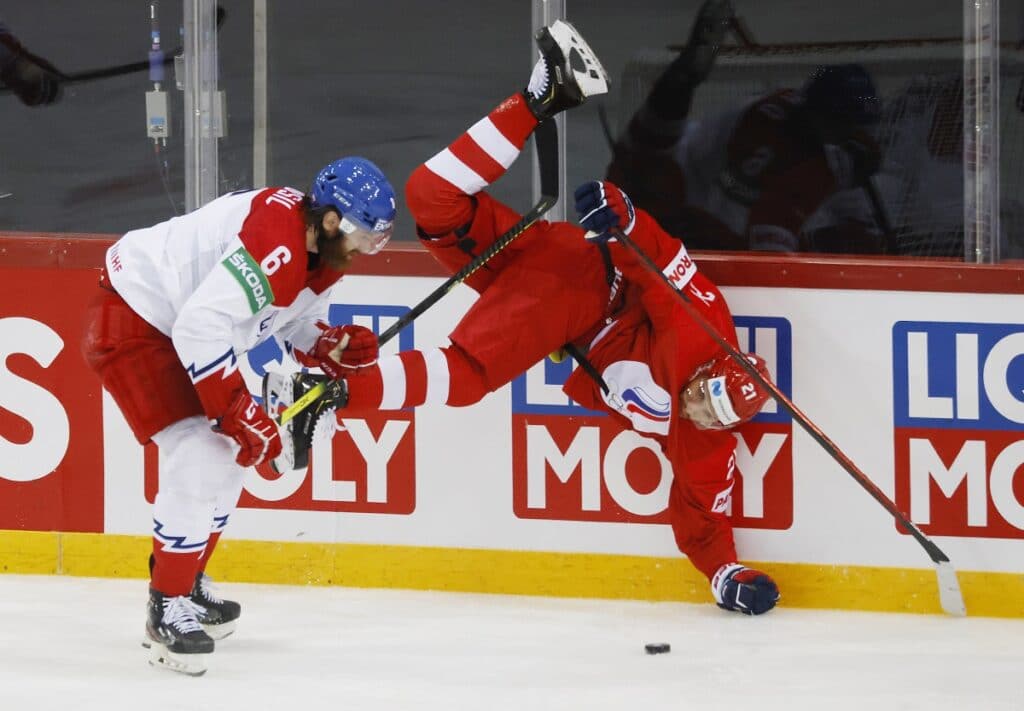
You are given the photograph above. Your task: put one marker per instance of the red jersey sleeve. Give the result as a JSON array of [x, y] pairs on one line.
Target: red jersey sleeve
[[697, 505]]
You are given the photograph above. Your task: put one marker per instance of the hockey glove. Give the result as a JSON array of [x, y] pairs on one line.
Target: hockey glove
[[279, 393], [33, 79], [602, 206], [250, 426], [743, 589], [226, 401], [344, 347]]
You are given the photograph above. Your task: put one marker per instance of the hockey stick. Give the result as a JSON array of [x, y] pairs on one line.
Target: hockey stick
[[881, 215], [546, 142], [949, 587]]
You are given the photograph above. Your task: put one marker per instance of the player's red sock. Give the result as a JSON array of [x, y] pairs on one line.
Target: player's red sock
[[174, 573], [211, 543]]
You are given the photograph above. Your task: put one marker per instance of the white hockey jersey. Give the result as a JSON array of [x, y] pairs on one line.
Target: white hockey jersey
[[224, 278]]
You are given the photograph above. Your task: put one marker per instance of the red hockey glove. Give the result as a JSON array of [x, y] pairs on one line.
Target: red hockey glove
[[602, 206], [248, 424], [743, 589], [344, 347], [235, 414]]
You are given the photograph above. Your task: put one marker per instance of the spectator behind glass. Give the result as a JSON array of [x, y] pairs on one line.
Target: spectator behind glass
[[749, 178]]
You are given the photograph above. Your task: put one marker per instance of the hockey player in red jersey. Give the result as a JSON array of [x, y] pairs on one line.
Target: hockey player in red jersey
[[178, 304], [664, 376], [661, 374], [749, 178]]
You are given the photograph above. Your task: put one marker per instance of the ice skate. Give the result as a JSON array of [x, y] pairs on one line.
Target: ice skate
[[714, 19], [567, 72], [279, 393], [217, 616], [176, 638]]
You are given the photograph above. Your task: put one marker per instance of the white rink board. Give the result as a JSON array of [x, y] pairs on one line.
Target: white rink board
[[842, 358]]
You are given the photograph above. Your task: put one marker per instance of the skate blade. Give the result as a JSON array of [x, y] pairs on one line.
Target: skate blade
[[587, 69], [188, 664], [218, 632]]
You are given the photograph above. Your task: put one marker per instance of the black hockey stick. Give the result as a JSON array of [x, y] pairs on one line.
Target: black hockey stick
[[546, 141], [881, 215], [949, 587]]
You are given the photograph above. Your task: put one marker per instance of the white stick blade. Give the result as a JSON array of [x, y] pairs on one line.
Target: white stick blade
[[949, 590]]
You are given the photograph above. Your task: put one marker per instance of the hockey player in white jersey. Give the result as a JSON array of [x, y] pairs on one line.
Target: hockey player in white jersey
[[179, 303]]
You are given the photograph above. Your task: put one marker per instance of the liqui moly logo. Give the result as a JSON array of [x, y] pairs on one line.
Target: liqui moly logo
[[571, 463], [959, 427]]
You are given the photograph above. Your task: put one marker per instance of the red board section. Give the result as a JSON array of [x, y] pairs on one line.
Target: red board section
[[83, 251], [51, 461], [960, 482]]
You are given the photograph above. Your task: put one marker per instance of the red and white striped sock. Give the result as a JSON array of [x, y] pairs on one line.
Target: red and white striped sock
[[438, 376], [482, 154]]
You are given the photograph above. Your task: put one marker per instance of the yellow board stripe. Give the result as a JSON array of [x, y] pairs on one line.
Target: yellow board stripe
[[511, 572]]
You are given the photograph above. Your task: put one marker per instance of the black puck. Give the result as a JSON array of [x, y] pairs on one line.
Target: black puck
[[660, 648]]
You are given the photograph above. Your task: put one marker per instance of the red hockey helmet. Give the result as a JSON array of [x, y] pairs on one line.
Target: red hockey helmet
[[723, 394]]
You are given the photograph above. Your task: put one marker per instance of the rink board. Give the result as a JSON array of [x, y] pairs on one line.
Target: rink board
[[915, 370]]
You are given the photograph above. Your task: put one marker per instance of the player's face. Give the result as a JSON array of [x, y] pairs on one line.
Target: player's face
[[332, 243], [697, 405]]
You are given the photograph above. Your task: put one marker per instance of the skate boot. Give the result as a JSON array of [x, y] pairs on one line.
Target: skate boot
[[714, 19], [297, 435], [567, 72], [218, 617], [176, 638]]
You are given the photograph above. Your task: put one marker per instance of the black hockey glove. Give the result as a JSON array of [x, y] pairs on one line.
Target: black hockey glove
[[33, 79]]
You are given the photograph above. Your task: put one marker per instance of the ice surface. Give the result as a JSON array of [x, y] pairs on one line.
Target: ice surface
[[74, 643]]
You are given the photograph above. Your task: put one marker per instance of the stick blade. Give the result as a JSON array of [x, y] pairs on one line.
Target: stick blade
[[949, 590]]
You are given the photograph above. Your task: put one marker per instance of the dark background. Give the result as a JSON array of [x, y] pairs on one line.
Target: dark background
[[393, 81]]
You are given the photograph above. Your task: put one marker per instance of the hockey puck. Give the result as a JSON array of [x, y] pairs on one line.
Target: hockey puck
[[660, 648]]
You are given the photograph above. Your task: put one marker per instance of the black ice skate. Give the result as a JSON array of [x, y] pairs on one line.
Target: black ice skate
[[176, 638], [714, 19], [566, 74], [218, 617], [297, 435]]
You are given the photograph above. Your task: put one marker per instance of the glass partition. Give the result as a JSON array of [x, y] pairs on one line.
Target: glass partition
[[756, 162], [312, 81], [298, 84], [86, 163]]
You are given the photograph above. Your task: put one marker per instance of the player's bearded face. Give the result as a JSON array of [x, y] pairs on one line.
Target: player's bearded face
[[331, 244], [697, 405]]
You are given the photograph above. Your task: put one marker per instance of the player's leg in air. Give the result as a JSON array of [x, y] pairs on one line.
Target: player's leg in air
[[541, 292]]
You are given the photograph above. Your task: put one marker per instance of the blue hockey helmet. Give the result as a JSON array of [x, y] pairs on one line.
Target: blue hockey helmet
[[843, 92], [364, 198]]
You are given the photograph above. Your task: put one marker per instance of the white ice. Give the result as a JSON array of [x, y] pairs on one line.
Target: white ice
[[74, 643]]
